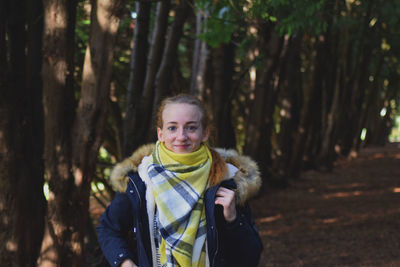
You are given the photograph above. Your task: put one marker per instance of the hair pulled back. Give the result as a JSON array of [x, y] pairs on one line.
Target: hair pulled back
[[183, 99], [218, 168]]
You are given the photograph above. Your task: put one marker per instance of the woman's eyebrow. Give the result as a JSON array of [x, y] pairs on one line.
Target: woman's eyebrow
[[189, 122]]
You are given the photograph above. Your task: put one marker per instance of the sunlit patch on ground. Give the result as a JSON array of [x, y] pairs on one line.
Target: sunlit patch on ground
[[349, 217]]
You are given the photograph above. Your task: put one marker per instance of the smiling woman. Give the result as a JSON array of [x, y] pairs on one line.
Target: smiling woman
[[181, 130], [185, 201]]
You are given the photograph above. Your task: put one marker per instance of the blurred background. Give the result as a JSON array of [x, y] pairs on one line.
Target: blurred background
[[296, 85]]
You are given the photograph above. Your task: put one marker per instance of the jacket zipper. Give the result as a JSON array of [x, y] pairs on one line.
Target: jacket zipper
[[137, 219], [216, 233], [216, 251], [137, 191]]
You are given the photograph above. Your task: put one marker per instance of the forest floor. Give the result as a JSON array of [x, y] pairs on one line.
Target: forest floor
[[347, 217]]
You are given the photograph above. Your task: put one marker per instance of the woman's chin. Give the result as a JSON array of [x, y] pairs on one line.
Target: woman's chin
[[182, 149]]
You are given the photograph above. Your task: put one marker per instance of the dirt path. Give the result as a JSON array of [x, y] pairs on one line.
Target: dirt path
[[349, 217]]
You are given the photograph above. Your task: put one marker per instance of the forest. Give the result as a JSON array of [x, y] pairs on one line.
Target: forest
[[295, 85]]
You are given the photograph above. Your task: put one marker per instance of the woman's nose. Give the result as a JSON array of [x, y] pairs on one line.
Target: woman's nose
[[181, 134]]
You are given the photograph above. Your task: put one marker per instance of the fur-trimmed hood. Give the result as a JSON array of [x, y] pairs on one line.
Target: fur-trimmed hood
[[247, 177]]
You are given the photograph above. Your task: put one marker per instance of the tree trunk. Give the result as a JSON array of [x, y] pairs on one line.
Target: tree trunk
[[260, 120], [331, 101], [132, 120], [371, 110], [323, 155], [71, 150], [170, 55], [137, 124], [21, 140], [91, 114], [316, 106], [337, 109], [379, 126], [302, 133], [220, 97], [360, 103], [200, 56], [353, 87], [290, 102], [59, 17]]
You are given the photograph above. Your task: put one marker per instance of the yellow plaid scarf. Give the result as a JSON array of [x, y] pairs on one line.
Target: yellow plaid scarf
[[179, 182]]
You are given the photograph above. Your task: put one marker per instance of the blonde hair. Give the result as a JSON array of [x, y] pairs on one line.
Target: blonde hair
[[182, 99], [218, 168]]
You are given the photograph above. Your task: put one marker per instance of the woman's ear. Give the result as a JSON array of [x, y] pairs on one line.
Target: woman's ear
[[160, 134], [206, 134]]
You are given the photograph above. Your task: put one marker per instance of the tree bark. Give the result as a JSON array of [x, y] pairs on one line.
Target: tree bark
[[260, 120], [362, 88], [72, 148], [316, 106], [336, 110], [220, 97], [59, 17], [353, 87], [290, 102], [331, 101], [22, 203], [200, 56], [138, 123], [169, 58], [372, 107], [92, 112], [136, 79], [309, 86]]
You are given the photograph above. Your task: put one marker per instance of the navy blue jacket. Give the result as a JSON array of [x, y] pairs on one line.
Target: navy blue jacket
[[229, 244]]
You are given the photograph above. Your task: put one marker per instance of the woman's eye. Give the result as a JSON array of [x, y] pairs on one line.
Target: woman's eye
[[192, 128], [171, 128]]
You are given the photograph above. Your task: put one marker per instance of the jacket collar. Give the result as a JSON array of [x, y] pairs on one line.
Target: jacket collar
[[247, 177]]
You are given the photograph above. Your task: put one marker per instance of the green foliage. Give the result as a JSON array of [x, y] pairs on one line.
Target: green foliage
[[105, 162], [395, 133], [219, 25], [389, 23], [224, 17], [294, 16], [82, 28]]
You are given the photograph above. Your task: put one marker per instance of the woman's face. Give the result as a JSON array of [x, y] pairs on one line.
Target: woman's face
[[182, 131]]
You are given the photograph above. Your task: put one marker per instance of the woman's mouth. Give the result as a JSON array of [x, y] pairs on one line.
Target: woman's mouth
[[182, 147]]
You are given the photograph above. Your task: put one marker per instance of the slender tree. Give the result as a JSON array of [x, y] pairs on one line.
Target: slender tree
[[200, 56], [73, 137], [220, 98], [132, 120], [260, 119], [290, 99], [169, 58]]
